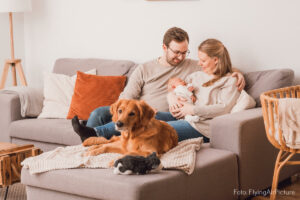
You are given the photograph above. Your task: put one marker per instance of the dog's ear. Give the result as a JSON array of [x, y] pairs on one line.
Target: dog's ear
[[146, 112], [114, 110]]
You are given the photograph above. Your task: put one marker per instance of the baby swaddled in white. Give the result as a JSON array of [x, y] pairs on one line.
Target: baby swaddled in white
[[185, 91]]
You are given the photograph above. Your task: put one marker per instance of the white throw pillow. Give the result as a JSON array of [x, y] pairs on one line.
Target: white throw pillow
[[58, 91], [244, 102]]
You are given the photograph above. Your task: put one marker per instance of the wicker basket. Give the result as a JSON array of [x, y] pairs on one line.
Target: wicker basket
[[269, 101]]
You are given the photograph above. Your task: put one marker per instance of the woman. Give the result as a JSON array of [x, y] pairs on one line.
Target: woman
[[215, 90]]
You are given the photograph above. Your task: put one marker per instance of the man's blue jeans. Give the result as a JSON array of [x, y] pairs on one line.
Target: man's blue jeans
[[100, 119]]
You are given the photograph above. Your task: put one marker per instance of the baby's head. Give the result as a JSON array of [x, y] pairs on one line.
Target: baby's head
[[174, 82]]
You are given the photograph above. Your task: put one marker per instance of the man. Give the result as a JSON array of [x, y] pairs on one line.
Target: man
[[148, 82]]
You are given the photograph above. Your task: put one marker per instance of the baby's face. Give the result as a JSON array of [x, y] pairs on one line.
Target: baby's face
[[174, 83], [178, 82]]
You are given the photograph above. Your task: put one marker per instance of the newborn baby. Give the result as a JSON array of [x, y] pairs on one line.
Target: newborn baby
[[183, 90]]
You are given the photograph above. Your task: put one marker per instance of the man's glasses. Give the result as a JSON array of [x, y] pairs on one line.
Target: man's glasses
[[178, 53]]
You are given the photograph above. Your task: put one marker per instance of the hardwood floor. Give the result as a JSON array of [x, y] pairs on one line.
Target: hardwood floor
[[289, 190], [15, 192]]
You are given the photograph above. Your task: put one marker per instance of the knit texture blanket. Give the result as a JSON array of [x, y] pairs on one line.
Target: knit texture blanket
[[289, 121], [182, 157], [31, 99]]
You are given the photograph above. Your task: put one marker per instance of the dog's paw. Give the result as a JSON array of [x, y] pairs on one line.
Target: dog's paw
[[86, 154], [90, 153], [93, 147], [89, 141], [94, 153], [95, 150], [94, 141]]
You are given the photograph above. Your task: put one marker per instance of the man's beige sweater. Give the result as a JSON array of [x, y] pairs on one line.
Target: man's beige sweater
[[149, 82]]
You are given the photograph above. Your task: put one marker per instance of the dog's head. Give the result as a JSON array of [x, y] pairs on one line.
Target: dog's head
[[130, 115]]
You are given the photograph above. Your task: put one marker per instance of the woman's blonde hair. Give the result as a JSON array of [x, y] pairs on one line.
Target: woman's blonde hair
[[215, 48]]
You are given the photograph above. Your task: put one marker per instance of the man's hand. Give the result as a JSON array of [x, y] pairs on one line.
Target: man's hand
[[240, 80]]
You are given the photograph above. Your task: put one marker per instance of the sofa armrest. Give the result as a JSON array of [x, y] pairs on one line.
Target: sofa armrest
[[10, 108], [230, 131], [244, 134]]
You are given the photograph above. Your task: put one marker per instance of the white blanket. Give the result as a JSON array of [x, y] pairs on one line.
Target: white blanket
[[181, 157], [31, 99], [289, 121]]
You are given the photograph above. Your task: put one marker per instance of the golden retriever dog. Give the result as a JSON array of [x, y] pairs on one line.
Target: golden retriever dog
[[141, 133]]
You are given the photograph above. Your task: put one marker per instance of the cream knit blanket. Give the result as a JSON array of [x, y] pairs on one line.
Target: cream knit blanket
[[182, 157], [31, 99], [289, 121]]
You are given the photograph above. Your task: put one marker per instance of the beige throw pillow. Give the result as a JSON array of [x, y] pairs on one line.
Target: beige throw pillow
[[244, 102], [58, 91]]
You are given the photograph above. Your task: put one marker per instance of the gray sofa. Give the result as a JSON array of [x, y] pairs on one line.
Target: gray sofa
[[238, 157]]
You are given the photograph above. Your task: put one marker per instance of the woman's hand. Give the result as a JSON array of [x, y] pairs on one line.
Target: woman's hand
[[186, 109], [191, 88], [174, 104], [174, 110], [193, 98], [240, 80]]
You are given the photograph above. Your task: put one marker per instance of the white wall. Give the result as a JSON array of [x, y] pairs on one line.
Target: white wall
[[260, 34], [18, 29]]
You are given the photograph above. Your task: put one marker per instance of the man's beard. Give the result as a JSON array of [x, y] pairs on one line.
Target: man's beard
[[172, 62]]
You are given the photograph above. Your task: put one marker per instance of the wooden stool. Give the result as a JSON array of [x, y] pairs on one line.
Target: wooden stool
[[269, 101], [11, 156]]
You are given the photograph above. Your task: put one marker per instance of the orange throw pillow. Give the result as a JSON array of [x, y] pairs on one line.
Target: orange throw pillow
[[92, 91]]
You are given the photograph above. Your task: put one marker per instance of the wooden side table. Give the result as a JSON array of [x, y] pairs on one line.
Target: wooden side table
[[11, 156]]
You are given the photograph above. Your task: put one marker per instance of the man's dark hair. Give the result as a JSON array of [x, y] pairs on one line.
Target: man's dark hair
[[176, 34]]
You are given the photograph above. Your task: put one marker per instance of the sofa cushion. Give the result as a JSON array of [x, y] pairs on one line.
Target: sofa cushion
[[262, 81], [58, 131], [92, 91], [58, 91], [215, 177], [104, 67]]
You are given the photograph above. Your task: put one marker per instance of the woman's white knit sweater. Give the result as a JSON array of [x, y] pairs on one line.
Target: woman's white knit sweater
[[212, 101]]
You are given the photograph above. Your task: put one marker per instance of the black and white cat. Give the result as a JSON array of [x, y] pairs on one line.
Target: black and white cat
[[137, 164]]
